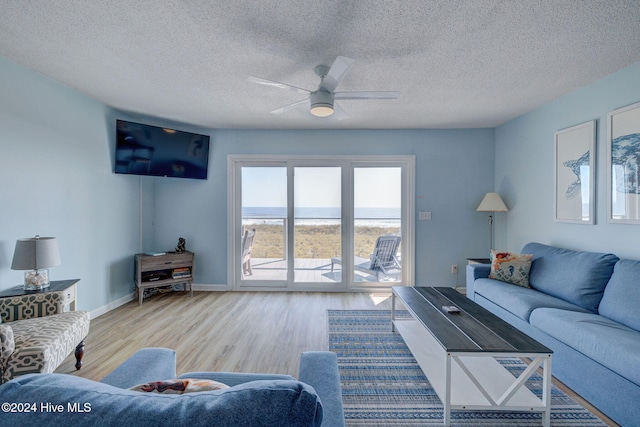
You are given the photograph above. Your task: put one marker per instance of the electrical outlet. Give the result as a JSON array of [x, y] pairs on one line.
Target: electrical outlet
[[454, 268], [426, 215]]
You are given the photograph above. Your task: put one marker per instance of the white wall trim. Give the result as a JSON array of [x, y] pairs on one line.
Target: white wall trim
[[111, 306], [210, 287], [127, 298]]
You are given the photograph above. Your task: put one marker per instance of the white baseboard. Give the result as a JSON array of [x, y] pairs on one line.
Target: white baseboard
[[111, 306], [125, 299], [212, 288]]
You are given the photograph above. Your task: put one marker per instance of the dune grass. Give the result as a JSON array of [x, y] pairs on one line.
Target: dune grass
[[314, 241]]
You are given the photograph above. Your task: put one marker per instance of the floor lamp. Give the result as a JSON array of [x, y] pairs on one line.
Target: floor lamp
[[492, 203]]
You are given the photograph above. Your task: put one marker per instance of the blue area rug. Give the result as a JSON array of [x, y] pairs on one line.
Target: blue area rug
[[382, 384]]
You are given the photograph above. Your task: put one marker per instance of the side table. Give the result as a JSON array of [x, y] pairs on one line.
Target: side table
[[153, 271], [66, 286]]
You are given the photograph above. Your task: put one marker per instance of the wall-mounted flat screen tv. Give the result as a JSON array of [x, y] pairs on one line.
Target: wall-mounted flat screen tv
[[156, 151]]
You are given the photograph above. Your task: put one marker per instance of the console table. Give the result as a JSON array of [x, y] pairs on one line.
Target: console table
[[66, 286], [456, 351], [153, 271]]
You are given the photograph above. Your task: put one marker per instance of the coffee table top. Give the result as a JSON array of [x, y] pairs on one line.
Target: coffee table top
[[474, 329]]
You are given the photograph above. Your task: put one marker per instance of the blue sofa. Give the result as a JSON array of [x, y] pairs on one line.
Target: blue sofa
[[252, 400], [585, 306]]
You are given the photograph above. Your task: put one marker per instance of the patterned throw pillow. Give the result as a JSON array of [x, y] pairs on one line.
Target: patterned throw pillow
[[179, 386], [510, 267]]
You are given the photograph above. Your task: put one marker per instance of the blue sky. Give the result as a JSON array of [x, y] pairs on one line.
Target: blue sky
[[320, 187]]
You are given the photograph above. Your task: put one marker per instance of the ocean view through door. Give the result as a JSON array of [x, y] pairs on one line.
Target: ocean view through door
[[264, 213], [329, 224], [317, 222], [377, 233]]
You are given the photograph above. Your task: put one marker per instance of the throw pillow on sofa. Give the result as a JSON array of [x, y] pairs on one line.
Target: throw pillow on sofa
[[510, 267], [179, 386]]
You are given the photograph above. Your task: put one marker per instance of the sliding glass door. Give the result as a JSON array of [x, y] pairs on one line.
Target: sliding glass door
[[263, 234], [320, 223], [377, 231], [317, 220]]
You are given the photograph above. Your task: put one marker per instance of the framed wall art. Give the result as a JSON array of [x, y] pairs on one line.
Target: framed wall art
[[575, 166], [623, 165]]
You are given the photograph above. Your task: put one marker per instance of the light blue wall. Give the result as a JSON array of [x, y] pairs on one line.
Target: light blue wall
[[524, 170], [454, 169], [56, 180], [56, 163]]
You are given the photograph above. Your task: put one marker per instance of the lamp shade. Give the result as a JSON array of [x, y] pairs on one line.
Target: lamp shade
[[36, 253], [492, 203]]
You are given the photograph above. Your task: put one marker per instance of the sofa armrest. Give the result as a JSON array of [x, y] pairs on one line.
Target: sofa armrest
[[148, 364], [476, 271], [319, 369], [31, 305]]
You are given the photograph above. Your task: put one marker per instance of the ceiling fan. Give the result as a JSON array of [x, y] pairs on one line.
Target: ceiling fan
[[322, 100]]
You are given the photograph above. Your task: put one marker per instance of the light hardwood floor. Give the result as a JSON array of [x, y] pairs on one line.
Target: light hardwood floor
[[220, 331], [224, 331]]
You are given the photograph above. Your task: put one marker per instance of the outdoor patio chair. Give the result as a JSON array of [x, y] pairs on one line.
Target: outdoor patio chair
[[247, 243], [382, 260]]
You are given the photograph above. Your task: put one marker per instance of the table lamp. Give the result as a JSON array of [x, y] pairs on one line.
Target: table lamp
[[36, 254], [492, 203]]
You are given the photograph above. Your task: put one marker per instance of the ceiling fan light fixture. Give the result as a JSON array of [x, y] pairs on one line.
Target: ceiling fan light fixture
[[321, 103], [322, 110]]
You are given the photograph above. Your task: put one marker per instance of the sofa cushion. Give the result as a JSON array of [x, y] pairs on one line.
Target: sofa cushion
[[576, 277], [609, 343], [257, 403], [517, 300], [510, 267], [621, 299]]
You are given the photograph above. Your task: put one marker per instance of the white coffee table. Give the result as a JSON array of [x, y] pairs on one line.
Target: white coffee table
[[457, 353]]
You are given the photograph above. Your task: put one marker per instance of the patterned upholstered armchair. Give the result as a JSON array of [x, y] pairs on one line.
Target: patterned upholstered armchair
[[36, 335]]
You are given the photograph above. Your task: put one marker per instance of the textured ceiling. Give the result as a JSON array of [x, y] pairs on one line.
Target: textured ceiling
[[464, 63]]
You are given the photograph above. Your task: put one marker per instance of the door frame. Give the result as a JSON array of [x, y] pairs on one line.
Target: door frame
[[234, 217]]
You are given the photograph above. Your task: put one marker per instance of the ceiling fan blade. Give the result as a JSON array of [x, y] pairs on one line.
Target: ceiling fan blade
[[337, 71], [338, 112], [272, 83], [289, 107], [367, 95]]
